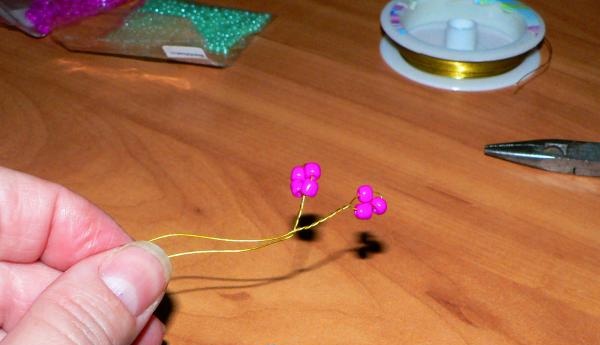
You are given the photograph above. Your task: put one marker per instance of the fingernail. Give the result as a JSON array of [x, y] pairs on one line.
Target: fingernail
[[137, 274]]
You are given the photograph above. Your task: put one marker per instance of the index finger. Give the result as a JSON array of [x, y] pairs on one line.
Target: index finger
[[42, 221]]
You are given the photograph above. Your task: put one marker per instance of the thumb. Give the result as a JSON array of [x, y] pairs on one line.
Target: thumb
[[105, 299]]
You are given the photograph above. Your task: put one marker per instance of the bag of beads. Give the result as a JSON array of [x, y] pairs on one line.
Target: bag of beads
[[39, 17], [180, 30]]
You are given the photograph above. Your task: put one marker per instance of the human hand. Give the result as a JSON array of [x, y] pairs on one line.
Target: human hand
[[68, 272]]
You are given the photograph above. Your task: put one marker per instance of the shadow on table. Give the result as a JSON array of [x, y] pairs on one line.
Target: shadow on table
[[367, 245]]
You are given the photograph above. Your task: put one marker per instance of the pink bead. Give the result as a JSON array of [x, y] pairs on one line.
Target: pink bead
[[312, 170], [310, 188], [296, 188], [379, 205], [363, 211], [365, 193], [45, 15], [298, 173]]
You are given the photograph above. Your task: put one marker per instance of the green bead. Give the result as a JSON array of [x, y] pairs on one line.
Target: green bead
[[221, 28]]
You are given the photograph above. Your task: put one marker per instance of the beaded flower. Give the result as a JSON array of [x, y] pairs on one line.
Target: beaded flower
[[303, 180], [368, 204], [303, 183]]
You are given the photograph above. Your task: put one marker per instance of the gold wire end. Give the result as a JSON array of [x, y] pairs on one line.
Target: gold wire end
[[541, 69]]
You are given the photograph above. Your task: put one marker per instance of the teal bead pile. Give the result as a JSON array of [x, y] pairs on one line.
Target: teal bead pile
[[221, 28], [141, 33]]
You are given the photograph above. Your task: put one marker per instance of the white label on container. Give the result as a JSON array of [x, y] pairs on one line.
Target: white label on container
[[180, 52]]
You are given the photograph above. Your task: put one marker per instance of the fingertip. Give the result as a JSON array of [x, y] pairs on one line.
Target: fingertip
[[137, 274], [159, 254], [152, 334]]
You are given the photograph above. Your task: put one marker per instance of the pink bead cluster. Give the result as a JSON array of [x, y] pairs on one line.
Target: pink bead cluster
[[368, 204], [303, 182]]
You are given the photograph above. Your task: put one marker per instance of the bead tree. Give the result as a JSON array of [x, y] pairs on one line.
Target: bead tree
[[303, 184]]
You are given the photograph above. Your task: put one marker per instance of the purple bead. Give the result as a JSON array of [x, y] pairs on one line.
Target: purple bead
[[379, 205], [45, 15], [365, 193], [312, 170], [296, 188], [298, 173], [310, 188], [363, 211]]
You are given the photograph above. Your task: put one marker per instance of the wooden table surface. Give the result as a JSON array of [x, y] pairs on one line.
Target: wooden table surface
[[478, 251]]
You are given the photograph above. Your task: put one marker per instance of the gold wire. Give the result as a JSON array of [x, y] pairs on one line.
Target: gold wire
[[224, 239], [324, 219], [541, 68], [459, 69], [270, 241], [209, 251], [300, 210]]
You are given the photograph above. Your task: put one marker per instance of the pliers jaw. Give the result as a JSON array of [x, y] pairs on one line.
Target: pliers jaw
[[556, 155]]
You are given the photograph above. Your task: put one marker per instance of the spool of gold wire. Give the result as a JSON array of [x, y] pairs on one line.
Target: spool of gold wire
[[463, 45], [459, 69]]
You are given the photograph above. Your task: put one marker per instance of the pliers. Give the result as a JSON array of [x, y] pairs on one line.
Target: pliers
[[557, 155]]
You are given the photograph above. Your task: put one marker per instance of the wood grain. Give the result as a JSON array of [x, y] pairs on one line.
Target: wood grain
[[478, 251]]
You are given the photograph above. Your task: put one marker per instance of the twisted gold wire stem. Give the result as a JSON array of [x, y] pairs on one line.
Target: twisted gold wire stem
[[224, 239], [324, 219], [193, 252], [300, 210], [270, 241]]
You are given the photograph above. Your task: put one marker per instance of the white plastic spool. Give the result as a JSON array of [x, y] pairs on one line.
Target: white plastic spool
[[461, 34], [441, 28]]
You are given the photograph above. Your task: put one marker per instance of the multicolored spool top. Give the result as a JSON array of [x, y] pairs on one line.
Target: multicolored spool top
[[531, 18], [506, 27]]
